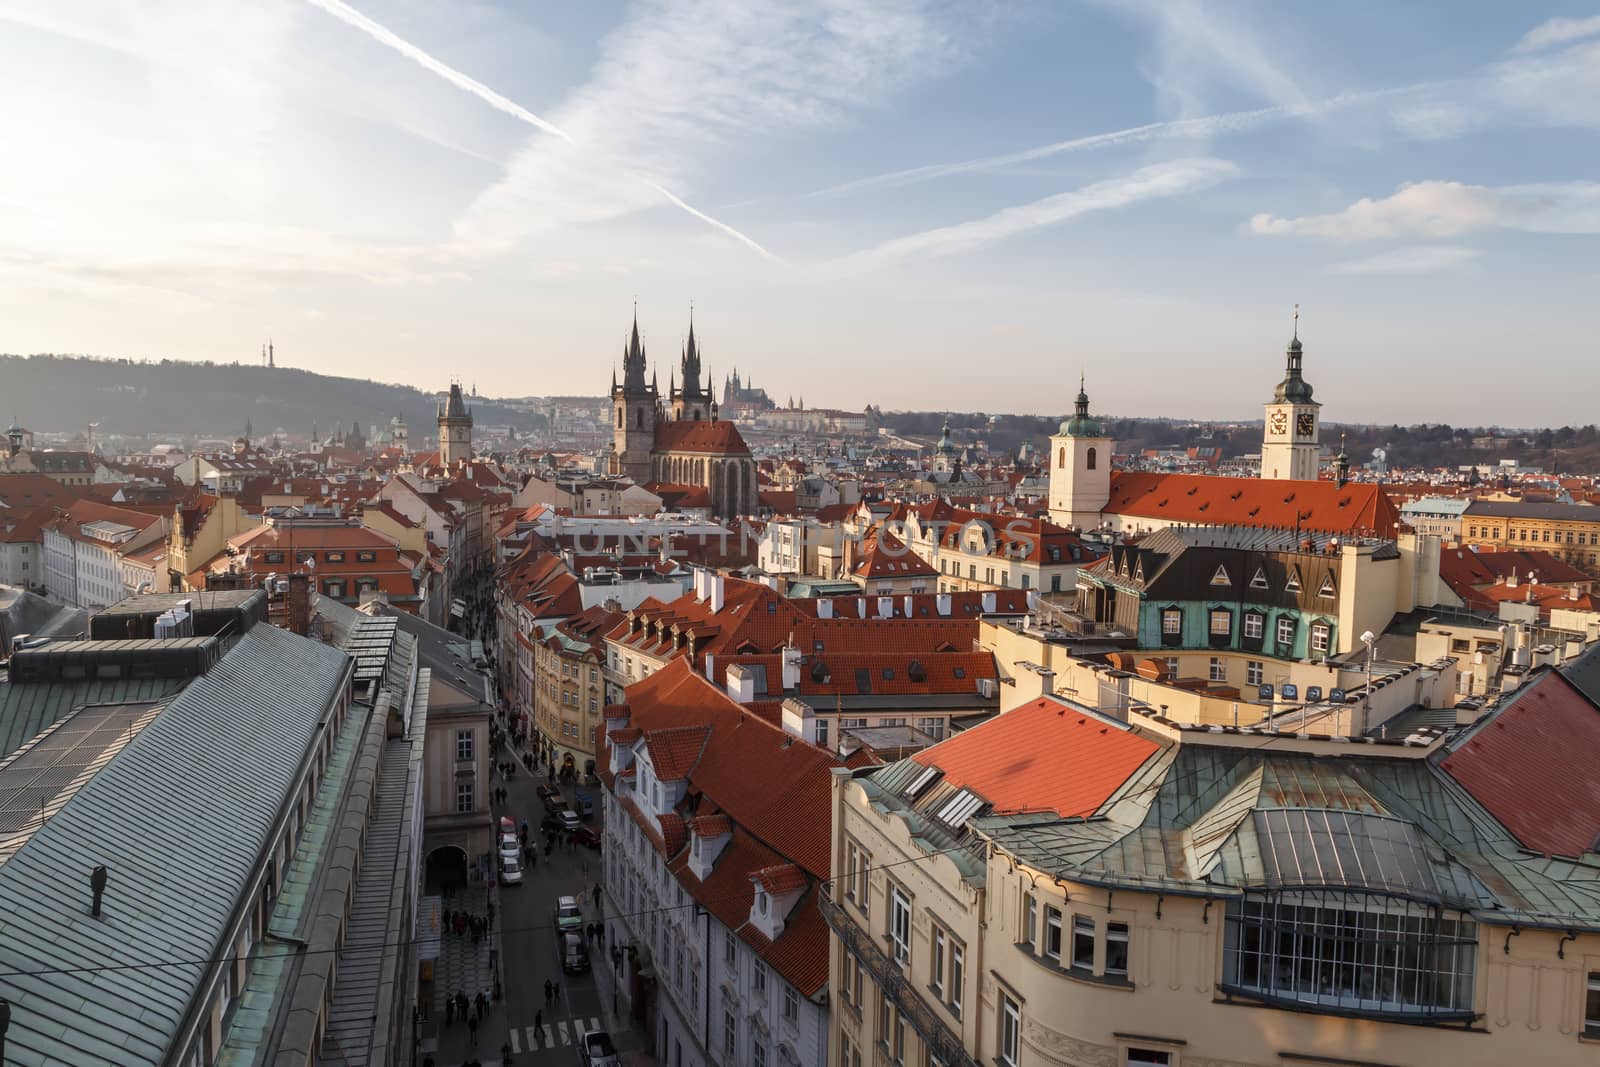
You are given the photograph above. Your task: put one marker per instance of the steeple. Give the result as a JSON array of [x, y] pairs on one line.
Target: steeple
[[633, 357], [691, 363], [1341, 465], [1293, 389], [1082, 424]]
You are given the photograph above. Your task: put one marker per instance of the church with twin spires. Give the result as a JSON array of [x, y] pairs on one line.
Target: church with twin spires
[[1086, 494], [676, 446]]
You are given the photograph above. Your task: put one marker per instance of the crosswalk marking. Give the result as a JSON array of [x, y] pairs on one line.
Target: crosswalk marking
[[545, 1037]]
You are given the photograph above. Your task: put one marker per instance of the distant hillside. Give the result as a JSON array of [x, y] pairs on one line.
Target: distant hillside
[[50, 393]]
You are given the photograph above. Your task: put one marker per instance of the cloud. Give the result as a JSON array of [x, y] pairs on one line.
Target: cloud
[[683, 83], [1558, 31], [1447, 209], [349, 15], [1560, 89], [1147, 183], [1415, 259]]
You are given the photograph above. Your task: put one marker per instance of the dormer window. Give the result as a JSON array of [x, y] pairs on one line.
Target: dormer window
[[763, 903]]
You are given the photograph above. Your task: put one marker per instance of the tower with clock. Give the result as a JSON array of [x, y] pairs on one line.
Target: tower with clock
[[1289, 449]]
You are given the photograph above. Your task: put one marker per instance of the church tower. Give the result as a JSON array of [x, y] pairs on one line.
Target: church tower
[[692, 402], [455, 428], [634, 409], [1080, 469], [1289, 448]]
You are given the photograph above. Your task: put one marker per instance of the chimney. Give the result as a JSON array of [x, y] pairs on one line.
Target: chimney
[[299, 604], [714, 590], [825, 608], [886, 607], [97, 884], [1047, 682], [988, 603], [1511, 579], [791, 668], [943, 603], [741, 683]]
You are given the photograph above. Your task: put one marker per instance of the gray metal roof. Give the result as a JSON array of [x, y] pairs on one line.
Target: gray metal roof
[[1535, 509], [27, 709], [180, 817]]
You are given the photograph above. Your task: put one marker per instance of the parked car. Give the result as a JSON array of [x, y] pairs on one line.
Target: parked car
[[568, 915], [550, 796], [562, 821], [587, 836], [510, 847], [596, 1050], [574, 957], [510, 870]]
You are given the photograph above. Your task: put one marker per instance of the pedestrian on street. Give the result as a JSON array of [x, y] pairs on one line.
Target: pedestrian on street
[[449, 1011], [597, 894], [547, 990], [472, 1032], [505, 1052]]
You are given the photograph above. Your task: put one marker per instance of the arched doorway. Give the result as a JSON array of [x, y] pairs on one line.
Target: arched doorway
[[446, 869]]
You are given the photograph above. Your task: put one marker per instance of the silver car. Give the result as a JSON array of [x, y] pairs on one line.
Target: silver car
[[596, 1050]]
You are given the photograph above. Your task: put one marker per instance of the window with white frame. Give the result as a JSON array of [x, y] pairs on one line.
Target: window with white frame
[[900, 924], [730, 948], [1255, 624], [1285, 629], [936, 962], [791, 1004], [761, 978], [1320, 632], [464, 797], [1117, 949], [730, 1033], [1052, 932], [1221, 622], [1254, 672], [1172, 622], [958, 975], [463, 746], [1010, 1035], [857, 866], [758, 1051], [1082, 943], [1219, 670], [1030, 919]]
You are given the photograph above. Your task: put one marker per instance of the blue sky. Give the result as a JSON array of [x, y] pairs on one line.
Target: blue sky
[[915, 203]]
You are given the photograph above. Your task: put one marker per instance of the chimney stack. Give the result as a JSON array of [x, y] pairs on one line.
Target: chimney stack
[[97, 883]]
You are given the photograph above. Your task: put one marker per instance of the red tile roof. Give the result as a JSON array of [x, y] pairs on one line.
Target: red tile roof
[[826, 673], [711, 826], [886, 556], [1042, 756], [712, 438], [780, 879], [1532, 766], [675, 750], [1216, 501]]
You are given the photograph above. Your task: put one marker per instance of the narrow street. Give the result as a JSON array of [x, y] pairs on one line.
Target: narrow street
[[541, 1033]]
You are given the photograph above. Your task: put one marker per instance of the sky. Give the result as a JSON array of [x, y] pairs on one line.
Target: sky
[[919, 204]]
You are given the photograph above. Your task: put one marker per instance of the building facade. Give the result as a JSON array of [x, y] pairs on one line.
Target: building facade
[[455, 429]]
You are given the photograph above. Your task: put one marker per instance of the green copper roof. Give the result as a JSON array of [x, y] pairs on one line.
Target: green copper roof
[[1082, 424]]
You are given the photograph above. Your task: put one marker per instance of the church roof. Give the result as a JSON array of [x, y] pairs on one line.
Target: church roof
[[712, 438], [1211, 500]]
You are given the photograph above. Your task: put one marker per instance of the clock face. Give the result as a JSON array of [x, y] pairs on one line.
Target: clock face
[[1305, 423], [1279, 421]]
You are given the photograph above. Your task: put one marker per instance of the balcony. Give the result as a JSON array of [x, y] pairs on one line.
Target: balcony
[[940, 1040]]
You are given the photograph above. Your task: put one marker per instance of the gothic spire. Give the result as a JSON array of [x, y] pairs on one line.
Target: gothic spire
[[633, 358]]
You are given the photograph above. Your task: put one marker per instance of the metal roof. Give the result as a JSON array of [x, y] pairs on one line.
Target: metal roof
[[179, 817], [27, 709]]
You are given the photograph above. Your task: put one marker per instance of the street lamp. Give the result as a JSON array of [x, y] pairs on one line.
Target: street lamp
[[1368, 638]]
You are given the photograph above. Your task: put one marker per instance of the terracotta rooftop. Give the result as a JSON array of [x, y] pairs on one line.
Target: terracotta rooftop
[[1216, 501], [1532, 765], [1043, 756], [714, 438]]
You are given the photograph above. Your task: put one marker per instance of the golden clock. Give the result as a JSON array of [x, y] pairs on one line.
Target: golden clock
[[1305, 423], [1279, 422]]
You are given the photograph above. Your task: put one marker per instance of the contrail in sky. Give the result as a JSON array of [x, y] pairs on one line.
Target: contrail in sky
[[349, 15]]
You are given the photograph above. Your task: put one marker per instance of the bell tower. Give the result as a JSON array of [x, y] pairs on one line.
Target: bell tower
[[455, 428], [634, 410], [1080, 469], [1289, 448]]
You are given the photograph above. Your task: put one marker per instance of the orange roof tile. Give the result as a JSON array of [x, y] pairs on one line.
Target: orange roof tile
[[1043, 756], [1210, 500]]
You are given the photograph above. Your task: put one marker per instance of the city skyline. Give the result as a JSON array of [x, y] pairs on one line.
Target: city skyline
[[1142, 190]]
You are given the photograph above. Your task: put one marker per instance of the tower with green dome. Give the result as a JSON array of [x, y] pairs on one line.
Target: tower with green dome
[[1289, 448], [1080, 468]]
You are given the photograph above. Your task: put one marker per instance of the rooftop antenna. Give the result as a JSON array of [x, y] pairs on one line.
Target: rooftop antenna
[[1297, 322]]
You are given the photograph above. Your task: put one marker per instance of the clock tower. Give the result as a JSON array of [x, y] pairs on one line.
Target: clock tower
[[1289, 448]]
